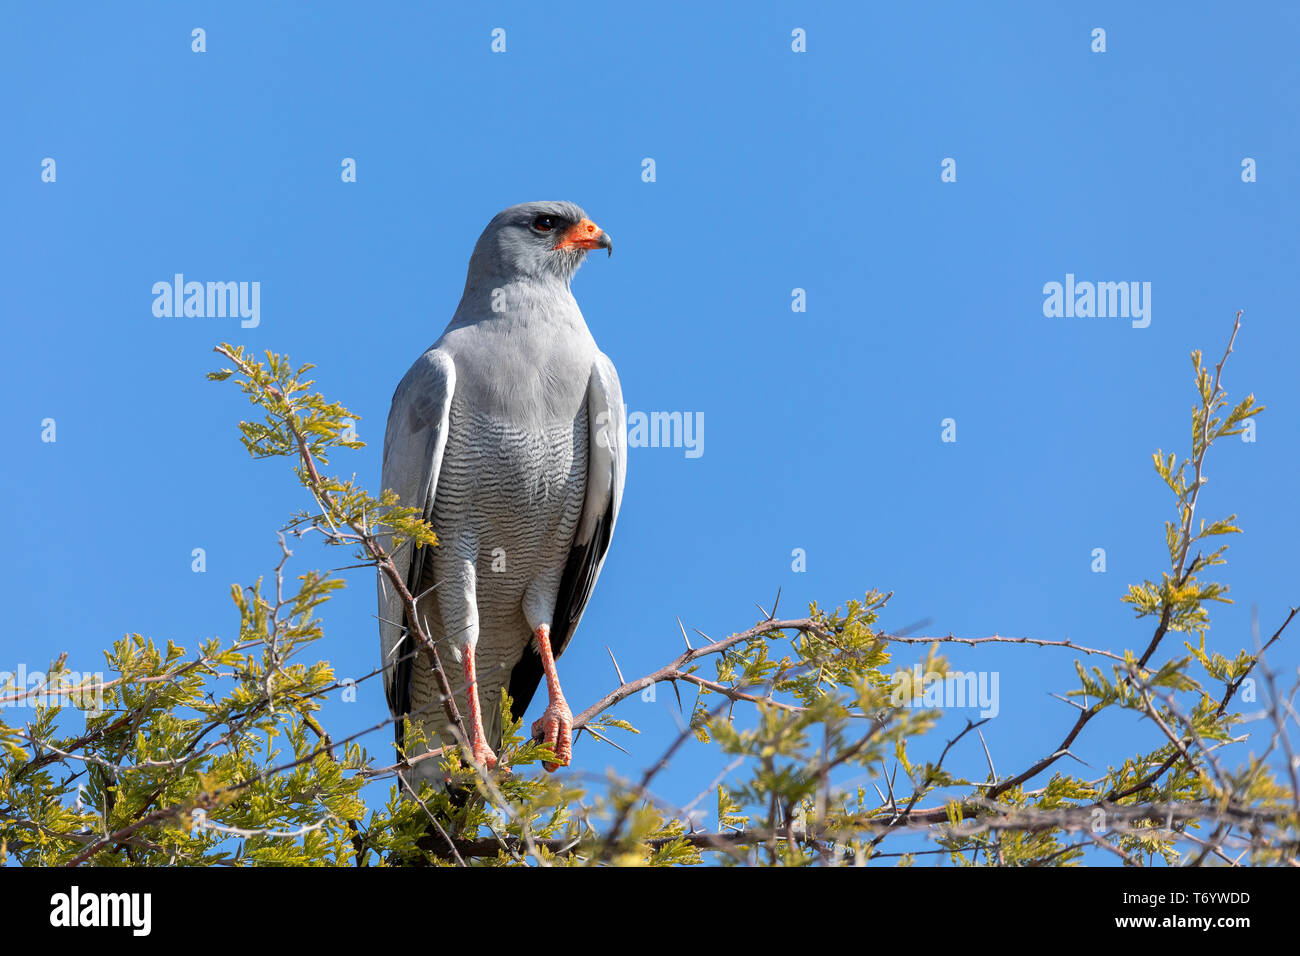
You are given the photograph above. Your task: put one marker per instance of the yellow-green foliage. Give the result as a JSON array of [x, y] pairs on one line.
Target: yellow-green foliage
[[214, 755]]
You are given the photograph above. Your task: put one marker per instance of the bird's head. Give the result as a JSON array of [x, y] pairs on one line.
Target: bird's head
[[537, 239]]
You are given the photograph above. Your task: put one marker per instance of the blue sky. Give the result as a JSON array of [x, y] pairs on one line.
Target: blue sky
[[775, 170]]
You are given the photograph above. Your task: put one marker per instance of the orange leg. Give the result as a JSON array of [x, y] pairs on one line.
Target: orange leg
[[477, 741], [555, 726]]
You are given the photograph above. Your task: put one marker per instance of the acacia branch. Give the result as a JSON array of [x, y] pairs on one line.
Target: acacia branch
[[1121, 819], [368, 541], [675, 669]]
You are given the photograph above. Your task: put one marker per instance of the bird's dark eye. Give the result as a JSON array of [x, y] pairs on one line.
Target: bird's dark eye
[[544, 223]]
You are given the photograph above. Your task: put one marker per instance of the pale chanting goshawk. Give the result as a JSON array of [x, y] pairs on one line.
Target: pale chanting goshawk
[[509, 434]]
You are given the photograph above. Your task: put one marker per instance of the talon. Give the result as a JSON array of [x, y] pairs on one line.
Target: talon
[[483, 754], [555, 729]]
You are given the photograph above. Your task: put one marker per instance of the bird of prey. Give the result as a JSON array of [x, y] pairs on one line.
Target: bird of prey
[[509, 435]]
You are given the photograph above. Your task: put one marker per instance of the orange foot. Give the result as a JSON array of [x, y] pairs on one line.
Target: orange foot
[[555, 728], [483, 753]]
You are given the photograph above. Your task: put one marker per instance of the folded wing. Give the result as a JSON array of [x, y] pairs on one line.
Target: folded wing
[[414, 442]]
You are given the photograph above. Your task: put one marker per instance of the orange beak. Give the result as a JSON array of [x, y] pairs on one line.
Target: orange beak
[[585, 235]]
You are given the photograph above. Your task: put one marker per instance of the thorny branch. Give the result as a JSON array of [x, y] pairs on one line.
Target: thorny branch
[[825, 826]]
